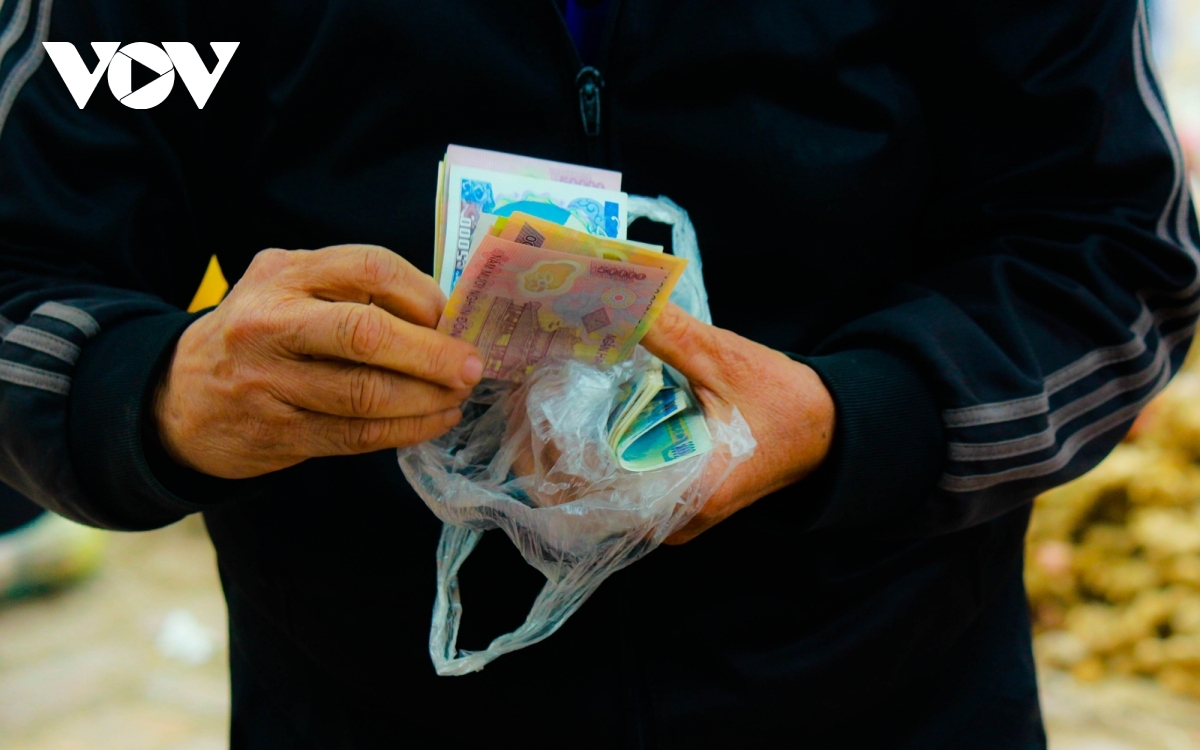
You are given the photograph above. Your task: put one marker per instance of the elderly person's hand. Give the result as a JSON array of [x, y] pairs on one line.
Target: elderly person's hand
[[788, 408], [313, 353]]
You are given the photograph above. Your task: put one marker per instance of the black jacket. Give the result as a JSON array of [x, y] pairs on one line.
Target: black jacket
[[970, 218]]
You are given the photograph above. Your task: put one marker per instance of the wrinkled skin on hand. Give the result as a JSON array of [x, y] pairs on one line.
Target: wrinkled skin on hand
[[790, 412], [313, 353]]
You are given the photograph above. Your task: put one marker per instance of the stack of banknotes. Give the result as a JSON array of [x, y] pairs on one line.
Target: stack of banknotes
[[533, 257]]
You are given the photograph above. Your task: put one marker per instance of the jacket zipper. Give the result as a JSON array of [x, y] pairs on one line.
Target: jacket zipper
[[589, 83]]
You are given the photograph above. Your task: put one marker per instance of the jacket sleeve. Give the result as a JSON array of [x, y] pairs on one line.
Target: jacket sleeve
[[92, 204], [1057, 286]]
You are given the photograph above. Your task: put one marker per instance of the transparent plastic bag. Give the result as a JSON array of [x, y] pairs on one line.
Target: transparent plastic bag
[[533, 460]]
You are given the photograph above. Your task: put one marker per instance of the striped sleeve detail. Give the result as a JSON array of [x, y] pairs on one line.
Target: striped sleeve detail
[[46, 343], [1070, 447], [1106, 404], [17, 23], [69, 315], [29, 336], [34, 377], [48, 331], [28, 63]]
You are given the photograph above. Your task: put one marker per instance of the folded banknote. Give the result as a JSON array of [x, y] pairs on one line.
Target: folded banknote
[[635, 396], [679, 437], [520, 304], [535, 232], [657, 422]]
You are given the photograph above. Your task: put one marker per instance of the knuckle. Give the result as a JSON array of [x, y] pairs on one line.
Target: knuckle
[[374, 269], [244, 327], [253, 323], [368, 391], [294, 335], [380, 266], [411, 431], [363, 332], [254, 317], [362, 435], [268, 262], [272, 316], [436, 354]]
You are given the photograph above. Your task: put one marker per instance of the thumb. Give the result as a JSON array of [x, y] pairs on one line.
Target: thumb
[[684, 343]]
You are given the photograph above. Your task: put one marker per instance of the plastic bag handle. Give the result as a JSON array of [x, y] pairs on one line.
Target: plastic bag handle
[[555, 603]]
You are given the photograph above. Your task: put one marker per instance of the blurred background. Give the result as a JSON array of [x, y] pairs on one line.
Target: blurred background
[[119, 640], [132, 657]]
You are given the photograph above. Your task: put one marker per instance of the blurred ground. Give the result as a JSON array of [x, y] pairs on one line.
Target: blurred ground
[[133, 659], [1116, 714]]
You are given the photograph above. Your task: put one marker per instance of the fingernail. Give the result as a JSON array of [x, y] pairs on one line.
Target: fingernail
[[472, 369]]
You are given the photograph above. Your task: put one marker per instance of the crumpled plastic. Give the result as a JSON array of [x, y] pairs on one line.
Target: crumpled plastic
[[533, 461]]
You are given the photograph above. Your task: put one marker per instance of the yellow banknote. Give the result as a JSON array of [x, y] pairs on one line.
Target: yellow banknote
[[523, 304], [530, 230]]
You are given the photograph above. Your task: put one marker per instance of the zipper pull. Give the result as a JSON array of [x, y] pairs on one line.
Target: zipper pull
[[590, 82]]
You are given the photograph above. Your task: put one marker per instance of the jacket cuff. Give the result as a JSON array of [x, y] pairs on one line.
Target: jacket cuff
[[888, 447], [114, 446]]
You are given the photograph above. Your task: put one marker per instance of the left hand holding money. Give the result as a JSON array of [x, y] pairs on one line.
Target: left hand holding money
[[790, 412]]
